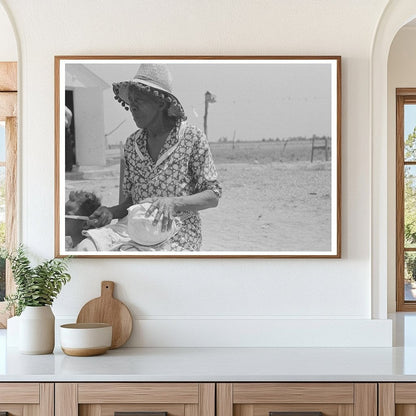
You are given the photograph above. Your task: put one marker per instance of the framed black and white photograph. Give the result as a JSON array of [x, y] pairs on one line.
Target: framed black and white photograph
[[198, 156]]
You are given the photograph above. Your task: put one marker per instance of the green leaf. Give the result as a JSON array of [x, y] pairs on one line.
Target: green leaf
[[35, 286]]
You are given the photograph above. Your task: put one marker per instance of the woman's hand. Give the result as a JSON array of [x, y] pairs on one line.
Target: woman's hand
[[100, 217], [165, 210]]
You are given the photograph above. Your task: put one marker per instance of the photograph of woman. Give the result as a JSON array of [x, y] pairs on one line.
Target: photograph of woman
[[198, 157], [169, 172]]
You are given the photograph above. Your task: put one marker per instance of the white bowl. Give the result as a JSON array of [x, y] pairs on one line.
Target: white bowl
[[83, 340]]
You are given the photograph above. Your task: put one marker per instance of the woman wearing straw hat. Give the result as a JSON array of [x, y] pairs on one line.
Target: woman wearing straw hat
[[168, 161]]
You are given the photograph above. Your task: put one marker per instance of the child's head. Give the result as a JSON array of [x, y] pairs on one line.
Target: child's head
[[81, 203]]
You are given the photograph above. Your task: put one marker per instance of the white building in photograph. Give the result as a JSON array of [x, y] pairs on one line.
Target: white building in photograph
[[84, 93]]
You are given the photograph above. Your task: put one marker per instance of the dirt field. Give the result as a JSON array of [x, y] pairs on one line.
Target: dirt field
[[273, 207], [274, 198]]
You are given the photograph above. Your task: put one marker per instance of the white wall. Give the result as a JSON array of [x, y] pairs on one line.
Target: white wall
[[401, 74], [222, 301], [8, 46]]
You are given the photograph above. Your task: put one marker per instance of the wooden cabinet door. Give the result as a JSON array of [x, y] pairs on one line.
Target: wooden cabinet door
[[297, 399], [397, 399], [26, 399], [142, 399]]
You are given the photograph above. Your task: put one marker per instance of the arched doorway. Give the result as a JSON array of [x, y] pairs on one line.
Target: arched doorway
[[8, 150], [396, 15]]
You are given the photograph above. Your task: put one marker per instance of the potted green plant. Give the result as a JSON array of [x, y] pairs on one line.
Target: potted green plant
[[36, 289]]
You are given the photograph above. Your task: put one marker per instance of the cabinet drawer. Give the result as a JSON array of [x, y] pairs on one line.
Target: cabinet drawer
[[296, 399], [19, 393], [146, 399], [138, 393]]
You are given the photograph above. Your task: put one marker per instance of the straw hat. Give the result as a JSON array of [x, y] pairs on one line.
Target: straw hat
[[153, 79], [141, 229]]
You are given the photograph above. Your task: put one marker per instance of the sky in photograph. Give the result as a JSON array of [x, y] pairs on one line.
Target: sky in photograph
[[409, 119], [253, 101]]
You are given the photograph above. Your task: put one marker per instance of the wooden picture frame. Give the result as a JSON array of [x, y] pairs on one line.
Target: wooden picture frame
[[273, 127]]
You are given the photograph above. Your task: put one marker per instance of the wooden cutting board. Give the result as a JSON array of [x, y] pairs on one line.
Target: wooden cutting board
[[108, 310]]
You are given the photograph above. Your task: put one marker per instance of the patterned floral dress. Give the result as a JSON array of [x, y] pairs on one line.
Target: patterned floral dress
[[184, 167]]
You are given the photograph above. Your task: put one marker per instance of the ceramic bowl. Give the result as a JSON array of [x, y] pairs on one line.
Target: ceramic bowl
[[83, 340]]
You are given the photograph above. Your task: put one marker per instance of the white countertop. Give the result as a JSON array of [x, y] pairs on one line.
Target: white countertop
[[215, 364], [222, 364]]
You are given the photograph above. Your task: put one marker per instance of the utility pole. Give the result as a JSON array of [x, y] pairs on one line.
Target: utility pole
[[209, 98]]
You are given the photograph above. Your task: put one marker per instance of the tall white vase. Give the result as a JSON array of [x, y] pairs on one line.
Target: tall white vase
[[37, 330]]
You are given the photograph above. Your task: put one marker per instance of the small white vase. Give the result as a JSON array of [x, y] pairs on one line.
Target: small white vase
[[37, 330]]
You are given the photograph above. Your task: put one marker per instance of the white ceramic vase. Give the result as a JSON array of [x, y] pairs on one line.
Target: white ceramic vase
[[37, 330]]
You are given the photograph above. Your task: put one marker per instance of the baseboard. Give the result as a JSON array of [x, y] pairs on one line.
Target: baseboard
[[261, 333], [255, 332]]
